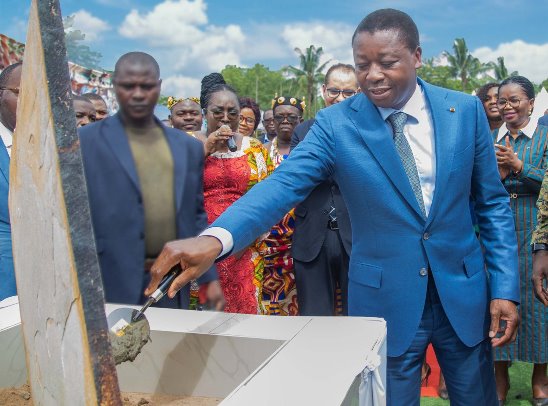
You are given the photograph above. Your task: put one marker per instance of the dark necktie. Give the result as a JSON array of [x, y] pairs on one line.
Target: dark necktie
[[397, 120]]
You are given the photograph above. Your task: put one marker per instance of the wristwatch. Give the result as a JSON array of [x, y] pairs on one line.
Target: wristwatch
[[539, 247]]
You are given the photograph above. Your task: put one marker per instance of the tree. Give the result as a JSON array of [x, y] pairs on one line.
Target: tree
[[501, 72], [438, 75], [78, 53], [309, 75], [464, 66], [258, 82]]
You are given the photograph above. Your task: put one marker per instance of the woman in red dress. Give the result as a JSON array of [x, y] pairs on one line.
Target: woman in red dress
[[228, 175]]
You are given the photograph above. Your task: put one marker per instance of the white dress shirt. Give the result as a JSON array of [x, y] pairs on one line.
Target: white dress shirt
[[419, 132], [7, 138]]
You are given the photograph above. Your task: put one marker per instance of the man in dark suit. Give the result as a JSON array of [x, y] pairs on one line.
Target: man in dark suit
[[322, 239], [407, 156], [145, 185], [10, 80]]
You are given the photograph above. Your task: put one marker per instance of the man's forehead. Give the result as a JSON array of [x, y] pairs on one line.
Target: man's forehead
[[82, 105], [186, 105], [99, 103], [129, 72], [286, 109], [344, 78]]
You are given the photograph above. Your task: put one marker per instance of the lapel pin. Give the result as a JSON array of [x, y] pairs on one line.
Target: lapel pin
[[452, 109]]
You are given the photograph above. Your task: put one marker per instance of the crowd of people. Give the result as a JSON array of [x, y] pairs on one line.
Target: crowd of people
[[398, 200]]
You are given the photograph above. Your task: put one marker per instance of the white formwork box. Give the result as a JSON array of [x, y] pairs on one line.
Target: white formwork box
[[244, 359]]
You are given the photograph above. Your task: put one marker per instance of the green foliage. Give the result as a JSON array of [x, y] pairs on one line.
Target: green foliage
[[501, 72], [76, 52], [464, 66], [258, 82], [309, 75], [438, 75], [163, 100]]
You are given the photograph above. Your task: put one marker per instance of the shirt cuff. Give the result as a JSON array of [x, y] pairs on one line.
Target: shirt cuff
[[224, 237]]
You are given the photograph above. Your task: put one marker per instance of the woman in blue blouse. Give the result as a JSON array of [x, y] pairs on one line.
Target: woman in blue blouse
[[521, 148]]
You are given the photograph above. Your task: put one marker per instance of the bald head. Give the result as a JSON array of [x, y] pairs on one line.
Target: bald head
[[136, 60]]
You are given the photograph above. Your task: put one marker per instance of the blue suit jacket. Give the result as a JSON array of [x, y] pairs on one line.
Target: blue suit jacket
[[117, 207], [391, 241]]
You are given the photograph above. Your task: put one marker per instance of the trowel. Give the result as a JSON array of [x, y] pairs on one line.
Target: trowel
[[129, 329]]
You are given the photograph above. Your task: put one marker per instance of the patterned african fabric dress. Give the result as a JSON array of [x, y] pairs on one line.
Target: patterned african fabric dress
[[227, 177], [531, 148], [279, 288]]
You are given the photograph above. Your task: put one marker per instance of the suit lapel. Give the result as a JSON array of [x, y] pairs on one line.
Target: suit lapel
[[179, 155], [380, 143], [115, 137], [444, 122]]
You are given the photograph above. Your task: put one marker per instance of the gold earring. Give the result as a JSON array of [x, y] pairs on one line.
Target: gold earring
[[530, 112]]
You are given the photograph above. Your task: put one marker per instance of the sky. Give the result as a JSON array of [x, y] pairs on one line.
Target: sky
[[191, 38]]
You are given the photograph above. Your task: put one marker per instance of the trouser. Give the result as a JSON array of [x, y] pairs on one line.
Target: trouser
[[317, 280], [468, 371]]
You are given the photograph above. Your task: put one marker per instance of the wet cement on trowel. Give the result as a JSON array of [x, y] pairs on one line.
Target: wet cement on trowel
[[126, 346]]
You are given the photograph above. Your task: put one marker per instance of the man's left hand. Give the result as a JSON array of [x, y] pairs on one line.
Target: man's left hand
[[503, 310], [215, 297], [540, 275]]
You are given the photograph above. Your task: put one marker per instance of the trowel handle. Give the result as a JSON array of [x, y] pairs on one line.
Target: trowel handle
[[166, 282]]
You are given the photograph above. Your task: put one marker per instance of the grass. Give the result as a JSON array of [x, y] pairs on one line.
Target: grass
[[520, 388]]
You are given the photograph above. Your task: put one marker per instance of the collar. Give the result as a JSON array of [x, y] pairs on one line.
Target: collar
[[413, 107], [528, 130], [7, 136]]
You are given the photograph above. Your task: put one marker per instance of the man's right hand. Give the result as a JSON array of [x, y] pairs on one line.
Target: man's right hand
[[195, 255], [540, 276]]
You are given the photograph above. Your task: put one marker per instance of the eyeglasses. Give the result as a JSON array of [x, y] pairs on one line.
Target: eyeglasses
[[248, 120], [15, 90], [291, 119], [268, 120], [333, 93], [219, 114], [514, 103]]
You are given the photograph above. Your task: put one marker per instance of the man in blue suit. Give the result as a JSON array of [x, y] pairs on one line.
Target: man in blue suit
[[10, 80], [145, 186], [407, 156]]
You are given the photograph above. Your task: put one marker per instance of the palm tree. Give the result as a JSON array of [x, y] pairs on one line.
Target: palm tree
[[501, 72], [463, 65], [309, 75]]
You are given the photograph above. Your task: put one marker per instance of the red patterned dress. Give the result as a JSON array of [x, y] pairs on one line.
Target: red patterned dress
[[279, 288], [227, 177]]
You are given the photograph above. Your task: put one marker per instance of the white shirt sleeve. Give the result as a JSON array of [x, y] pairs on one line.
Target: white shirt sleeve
[[224, 237]]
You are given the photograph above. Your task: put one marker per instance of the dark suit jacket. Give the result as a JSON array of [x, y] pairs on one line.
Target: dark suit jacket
[[311, 216], [117, 206]]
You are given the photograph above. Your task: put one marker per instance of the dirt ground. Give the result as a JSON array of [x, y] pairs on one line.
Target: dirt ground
[[21, 396], [16, 396], [145, 399]]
